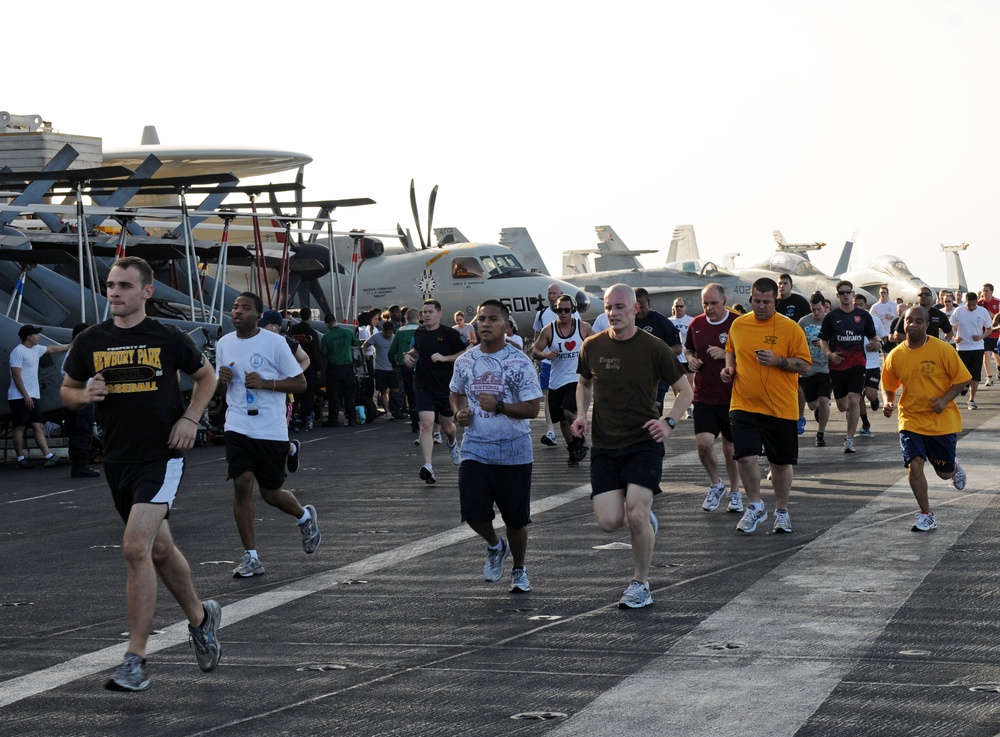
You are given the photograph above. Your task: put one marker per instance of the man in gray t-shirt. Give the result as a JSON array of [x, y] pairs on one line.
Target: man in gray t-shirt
[[494, 394]]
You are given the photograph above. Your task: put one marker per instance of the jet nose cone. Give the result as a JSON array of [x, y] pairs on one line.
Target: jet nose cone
[[582, 302]]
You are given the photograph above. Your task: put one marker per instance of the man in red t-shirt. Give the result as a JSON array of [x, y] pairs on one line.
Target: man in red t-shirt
[[705, 348], [992, 305]]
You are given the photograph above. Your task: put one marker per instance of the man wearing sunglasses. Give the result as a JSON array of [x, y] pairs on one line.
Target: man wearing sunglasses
[[938, 323], [846, 332]]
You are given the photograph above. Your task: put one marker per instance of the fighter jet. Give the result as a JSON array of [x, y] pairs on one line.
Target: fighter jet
[[684, 279]]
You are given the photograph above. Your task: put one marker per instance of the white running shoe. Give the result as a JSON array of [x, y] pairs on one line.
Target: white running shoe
[[751, 519], [959, 479], [735, 502], [782, 522], [925, 522], [715, 494]]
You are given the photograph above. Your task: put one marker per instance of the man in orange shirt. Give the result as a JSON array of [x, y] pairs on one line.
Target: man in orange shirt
[[932, 375], [765, 354]]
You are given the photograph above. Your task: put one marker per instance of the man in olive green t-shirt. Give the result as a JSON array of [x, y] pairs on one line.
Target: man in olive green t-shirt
[[620, 369]]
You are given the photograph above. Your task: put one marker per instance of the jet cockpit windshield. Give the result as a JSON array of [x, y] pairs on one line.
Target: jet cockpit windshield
[[699, 267], [894, 265], [789, 263], [500, 264]]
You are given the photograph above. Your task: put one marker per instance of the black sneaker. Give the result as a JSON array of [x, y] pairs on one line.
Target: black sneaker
[[577, 450], [820, 440], [293, 460], [875, 404], [130, 676], [427, 475]]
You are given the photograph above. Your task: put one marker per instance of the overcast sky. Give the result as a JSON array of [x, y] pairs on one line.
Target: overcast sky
[[818, 119]]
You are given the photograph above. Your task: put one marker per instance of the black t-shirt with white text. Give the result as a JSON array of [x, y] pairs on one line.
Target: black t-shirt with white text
[[144, 399]]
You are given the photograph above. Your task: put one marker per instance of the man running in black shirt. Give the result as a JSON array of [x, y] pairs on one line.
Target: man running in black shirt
[[128, 366]]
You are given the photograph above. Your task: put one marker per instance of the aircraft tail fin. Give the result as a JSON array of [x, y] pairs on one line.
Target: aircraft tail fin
[[683, 245], [447, 236], [954, 272], [575, 263], [615, 254], [844, 262], [779, 237], [518, 240]]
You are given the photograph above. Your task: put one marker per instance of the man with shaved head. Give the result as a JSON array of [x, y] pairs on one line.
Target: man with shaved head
[[619, 371], [932, 375]]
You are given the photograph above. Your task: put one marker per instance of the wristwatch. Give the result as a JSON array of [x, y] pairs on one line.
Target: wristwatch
[[671, 422], [500, 407]]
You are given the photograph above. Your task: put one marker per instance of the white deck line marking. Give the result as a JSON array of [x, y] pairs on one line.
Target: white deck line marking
[[805, 624], [31, 684]]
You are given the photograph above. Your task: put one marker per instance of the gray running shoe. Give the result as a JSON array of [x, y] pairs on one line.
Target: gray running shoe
[[654, 522], [493, 570], [849, 446], [636, 595], [782, 522], [735, 502], [456, 453], [438, 439], [130, 676], [249, 566], [207, 647], [959, 479], [715, 492], [311, 536], [519, 581], [751, 519]]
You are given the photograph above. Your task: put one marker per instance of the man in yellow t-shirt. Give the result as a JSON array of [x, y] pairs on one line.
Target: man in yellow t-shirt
[[765, 355], [932, 375]]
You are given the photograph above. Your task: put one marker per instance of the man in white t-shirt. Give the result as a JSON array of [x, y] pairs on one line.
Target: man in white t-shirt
[[972, 324], [883, 311], [257, 369], [24, 393], [543, 318], [682, 320]]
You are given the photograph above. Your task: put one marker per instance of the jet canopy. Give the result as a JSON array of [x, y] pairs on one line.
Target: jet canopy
[[893, 265], [788, 263], [484, 267], [699, 267]]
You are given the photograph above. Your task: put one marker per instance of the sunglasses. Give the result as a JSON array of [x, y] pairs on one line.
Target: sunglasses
[[845, 291], [564, 310]]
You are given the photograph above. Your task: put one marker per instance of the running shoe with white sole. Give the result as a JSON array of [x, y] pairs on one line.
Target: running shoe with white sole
[[715, 494], [248, 567], [311, 536], [782, 522], [636, 595], [735, 502], [519, 581], [925, 522], [456, 453], [654, 522], [493, 570], [959, 479], [549, 438], [849, 445], [427, 474], [751, 519], [207, 647], [293, 460], [438, 438]]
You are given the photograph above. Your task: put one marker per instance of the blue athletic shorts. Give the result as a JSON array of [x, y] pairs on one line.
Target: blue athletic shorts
[[938, 449]]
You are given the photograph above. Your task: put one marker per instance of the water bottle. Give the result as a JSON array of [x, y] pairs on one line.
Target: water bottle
[[251, 403]]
